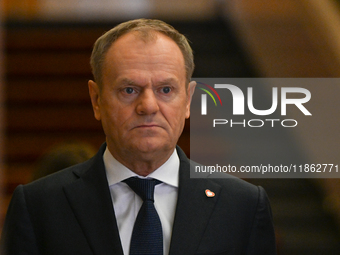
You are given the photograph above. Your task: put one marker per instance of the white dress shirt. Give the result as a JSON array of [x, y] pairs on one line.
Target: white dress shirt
[[126, 202]]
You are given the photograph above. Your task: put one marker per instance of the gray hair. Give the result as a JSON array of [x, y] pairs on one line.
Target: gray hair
[[146, 29]]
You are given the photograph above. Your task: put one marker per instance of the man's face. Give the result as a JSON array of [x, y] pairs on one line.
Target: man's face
[[143, 102]]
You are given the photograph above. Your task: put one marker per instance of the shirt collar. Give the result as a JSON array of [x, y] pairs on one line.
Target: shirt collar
[[117, 172]]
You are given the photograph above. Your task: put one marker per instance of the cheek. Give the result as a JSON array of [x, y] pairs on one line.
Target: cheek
[[176, 117], [109, 115], [113, 119], [118, 117]]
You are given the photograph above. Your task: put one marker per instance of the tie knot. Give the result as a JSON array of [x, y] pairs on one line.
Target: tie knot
[[143, 187]]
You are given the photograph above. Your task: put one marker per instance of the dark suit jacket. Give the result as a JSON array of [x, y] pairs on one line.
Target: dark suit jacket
[[71, 212]]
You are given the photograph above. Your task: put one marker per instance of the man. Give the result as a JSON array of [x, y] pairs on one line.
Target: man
[[141, 94]]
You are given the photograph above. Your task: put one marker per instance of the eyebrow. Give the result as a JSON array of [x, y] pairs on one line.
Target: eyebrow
[[168, 81], [127, 81]]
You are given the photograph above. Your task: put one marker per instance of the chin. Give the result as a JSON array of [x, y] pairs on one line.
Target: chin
[[154, 147]]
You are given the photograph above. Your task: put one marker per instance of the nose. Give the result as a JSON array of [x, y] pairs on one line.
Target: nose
[[147, 103]]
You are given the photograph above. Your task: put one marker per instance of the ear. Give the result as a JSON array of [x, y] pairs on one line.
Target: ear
[[95, 98], [190, 92]]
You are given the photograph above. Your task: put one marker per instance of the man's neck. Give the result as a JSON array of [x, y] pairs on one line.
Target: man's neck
[[140, 163]]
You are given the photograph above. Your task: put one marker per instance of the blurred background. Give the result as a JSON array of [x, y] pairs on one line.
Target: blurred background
[[44, 102]]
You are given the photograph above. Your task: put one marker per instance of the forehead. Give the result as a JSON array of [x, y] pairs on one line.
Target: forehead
[[145, 36], [157, 52]]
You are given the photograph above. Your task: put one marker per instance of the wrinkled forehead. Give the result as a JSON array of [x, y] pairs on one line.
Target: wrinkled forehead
[[131, 54], [151, 43], [146, 35]]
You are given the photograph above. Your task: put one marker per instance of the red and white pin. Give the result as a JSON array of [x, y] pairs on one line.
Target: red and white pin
[[209, 193]]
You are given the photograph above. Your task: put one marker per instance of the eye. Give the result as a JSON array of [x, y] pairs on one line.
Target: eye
[[129, 90], [166, 90]]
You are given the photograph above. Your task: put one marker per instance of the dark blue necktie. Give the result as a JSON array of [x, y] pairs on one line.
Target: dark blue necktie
[[147, 237]]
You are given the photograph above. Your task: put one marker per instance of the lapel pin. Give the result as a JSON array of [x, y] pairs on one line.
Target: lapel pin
[[209, 193]]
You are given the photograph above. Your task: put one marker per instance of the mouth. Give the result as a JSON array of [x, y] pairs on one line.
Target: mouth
[[147, 126]]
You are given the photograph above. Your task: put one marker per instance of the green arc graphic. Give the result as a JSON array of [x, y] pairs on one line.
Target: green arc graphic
[[209, 95]]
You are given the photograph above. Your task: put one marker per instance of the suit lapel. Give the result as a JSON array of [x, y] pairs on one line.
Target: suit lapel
[[90, 200], [193, 210]]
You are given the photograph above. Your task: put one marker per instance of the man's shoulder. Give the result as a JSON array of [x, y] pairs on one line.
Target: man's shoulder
[[237, 186], [58, 179], [239, 192], [88, 169]]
